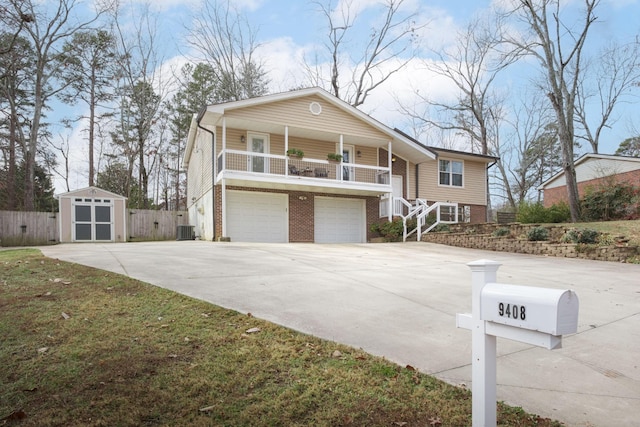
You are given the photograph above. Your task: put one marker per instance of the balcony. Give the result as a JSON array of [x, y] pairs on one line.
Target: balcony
[[249, 169]]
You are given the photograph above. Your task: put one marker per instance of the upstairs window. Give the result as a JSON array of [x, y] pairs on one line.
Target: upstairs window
[[450, 172]]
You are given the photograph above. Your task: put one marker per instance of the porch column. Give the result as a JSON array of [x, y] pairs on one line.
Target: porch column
[[223, 202], [286, 148], [392, 202], [341, 151]]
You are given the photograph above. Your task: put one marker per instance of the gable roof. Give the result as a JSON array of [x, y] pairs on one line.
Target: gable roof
[[604, 165], [403, 146], [93, 191], [456, 153]]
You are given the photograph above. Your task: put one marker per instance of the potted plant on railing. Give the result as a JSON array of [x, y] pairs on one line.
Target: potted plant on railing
[[334, 157], [295, 153]]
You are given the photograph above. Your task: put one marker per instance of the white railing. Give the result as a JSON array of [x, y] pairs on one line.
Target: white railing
[[280, 165], [445, 212]]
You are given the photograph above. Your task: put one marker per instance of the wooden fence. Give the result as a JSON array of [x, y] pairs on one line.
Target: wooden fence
[[28, 228], [154, 225], [42, 228]]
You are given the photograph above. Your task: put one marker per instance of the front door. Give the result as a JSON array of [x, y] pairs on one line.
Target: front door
[[396, 185], [348, 173], [259, 144]]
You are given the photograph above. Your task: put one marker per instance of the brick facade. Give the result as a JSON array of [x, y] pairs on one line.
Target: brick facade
[[301, 211], [559, 194]]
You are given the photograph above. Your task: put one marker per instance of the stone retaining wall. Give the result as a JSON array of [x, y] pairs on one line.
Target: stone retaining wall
[[480, 237]]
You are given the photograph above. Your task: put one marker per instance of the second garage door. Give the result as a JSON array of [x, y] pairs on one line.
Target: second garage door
[[257, 217], [339, 220]]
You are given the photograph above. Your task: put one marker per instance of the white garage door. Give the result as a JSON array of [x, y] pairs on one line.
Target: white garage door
[[257, 217], [339, 220]]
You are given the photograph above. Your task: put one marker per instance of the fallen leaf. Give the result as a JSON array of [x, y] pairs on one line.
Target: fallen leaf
[[43, 349], [29, 390], [411, 368], [253, 330], [435, 421], [186, 339], [66, 282], [207, 408], [400, 423], [65, 316], [337, 354], [249, 315], [205, 314], [173, 356]]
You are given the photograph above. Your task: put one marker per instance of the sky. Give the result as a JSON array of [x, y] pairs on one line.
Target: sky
[[287, 30]]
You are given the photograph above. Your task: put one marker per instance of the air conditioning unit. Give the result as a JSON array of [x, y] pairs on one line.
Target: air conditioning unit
[[185, 232]]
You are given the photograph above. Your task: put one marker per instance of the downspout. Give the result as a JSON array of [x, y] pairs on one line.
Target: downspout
[[488, 213], [213, 167]]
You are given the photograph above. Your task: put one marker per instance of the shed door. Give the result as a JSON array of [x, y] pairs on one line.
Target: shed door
[[339, 220], [92, 220], [257, 217]]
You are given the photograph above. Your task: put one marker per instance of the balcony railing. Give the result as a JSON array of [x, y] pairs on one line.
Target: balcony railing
[[262, 165]]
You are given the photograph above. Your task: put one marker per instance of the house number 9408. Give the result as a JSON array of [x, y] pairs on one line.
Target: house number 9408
[[512, 311]]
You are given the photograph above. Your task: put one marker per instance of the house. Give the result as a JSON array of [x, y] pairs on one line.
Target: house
[[242, 185], [92, 215], [592, 170]]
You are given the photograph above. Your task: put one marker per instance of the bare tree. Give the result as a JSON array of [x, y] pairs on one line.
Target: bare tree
[[530, 154], [472, 65], [142, 89], [224, 39], [613, 73], [50, 27], [386, 49], [557, 45]]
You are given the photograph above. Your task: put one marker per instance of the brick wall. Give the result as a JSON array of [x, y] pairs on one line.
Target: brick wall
[[559, 194]]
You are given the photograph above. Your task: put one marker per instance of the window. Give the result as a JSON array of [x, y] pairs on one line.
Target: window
[[450, 172]]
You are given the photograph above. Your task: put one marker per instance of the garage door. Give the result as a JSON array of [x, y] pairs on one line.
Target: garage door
[[339, 220], [257, 217]]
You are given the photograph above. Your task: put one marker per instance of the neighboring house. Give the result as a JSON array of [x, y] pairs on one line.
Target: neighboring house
[[92, 215], [592, 170], [241, 184]]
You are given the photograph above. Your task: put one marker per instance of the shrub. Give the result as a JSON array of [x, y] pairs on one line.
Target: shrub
[[559, 212], [586, 236], [538, 234], [531, 213], [443, 228], [391, 230], [501, 232], [610, 202]]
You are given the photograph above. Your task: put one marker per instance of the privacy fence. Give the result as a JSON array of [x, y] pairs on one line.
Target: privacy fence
[[42, 228]]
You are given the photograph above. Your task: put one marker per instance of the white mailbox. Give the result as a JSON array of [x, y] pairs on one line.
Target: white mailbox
[[536, 316], [550, 311]]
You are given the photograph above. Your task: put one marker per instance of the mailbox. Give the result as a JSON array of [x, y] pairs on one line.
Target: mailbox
[[551, 311]]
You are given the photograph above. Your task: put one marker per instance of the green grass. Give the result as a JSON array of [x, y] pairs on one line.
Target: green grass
[[132, 354]]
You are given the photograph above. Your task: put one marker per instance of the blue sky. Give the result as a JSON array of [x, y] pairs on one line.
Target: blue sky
[[288, 29]]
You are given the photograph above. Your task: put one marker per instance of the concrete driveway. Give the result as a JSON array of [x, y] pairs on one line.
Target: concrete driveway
[[400, 300]]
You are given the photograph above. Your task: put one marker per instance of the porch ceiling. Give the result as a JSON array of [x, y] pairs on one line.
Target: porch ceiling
[[309, 185], [404, 149]]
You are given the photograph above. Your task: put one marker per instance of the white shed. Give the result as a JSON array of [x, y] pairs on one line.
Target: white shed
[[92, 215]]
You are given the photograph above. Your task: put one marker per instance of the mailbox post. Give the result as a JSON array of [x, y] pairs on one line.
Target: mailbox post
[[537, 316]]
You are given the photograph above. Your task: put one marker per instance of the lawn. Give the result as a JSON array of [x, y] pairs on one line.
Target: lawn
[[85, 347], [629, 229]]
